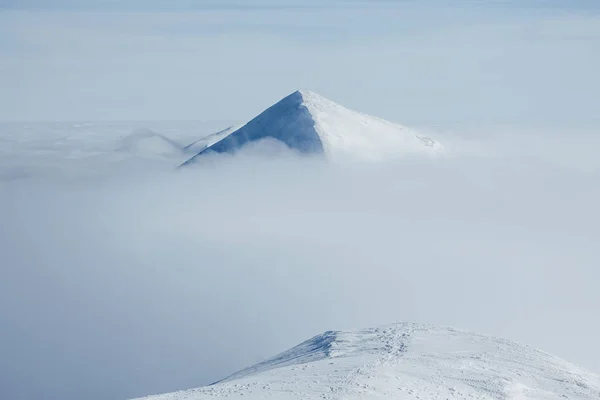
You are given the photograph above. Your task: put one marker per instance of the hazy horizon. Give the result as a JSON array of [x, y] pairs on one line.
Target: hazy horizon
[[415, 64]]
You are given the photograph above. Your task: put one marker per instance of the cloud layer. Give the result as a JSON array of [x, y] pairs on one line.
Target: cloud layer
[[152, 282]]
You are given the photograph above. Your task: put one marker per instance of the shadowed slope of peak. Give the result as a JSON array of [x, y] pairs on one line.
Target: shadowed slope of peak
[[405, 361], [288, 121], [314, 349], [309, 123]]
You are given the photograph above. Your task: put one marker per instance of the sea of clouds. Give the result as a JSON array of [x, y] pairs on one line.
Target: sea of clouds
[[122, 276], [144, 280]]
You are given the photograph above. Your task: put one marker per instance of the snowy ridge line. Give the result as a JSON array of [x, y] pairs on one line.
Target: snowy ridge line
[[315, 348], [310, 98], [394, 347], [201, 144], [405, 361]]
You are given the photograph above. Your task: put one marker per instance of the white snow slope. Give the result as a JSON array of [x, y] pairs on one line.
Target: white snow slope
[[405, 361], [310, 123]]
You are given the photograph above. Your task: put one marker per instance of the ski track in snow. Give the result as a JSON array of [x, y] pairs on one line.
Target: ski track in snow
[[405, 361]]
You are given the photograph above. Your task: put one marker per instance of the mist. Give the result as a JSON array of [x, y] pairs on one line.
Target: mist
[[147, 283]]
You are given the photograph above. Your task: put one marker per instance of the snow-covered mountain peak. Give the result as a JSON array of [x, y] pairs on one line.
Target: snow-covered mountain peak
[[305, 95], [405, 361], [309, 97], [310, 123]]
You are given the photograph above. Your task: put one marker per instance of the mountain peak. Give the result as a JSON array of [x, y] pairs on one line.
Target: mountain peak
[[307, 94], [308, 97], [303, 97], [312, 124], [303, 92]]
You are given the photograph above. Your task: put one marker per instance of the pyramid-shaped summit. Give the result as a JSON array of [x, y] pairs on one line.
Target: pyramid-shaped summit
[[309, 123]]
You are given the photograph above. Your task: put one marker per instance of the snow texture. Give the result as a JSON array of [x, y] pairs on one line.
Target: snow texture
[[309, 123], [405, 361]]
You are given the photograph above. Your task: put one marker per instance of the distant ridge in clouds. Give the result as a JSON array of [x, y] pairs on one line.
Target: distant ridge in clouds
[[146, 141]]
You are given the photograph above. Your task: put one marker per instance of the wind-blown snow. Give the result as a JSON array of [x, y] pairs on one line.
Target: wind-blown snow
[[405, 361], [310, 123]]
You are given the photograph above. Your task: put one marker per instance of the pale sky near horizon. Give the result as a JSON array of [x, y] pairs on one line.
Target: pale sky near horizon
[[496, 62]]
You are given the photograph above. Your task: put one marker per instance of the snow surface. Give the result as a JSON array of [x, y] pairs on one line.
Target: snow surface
[[310, 123], [405, 361]]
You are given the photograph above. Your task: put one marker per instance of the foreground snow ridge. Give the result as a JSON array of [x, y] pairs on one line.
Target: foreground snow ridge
[[405, 361], [309, 123]]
